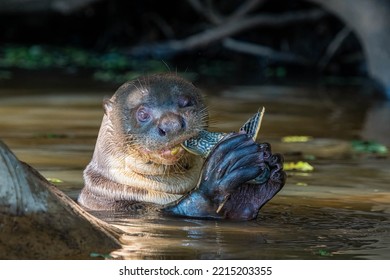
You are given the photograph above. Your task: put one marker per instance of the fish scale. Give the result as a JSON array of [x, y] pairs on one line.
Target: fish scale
[[205, 141]]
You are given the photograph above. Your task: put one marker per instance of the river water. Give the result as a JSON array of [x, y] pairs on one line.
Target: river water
[[339, 210]]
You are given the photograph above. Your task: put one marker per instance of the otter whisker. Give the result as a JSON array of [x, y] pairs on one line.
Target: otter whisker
[[137, 158]]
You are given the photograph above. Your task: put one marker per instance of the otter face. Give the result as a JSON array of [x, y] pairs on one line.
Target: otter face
[[156, 114]]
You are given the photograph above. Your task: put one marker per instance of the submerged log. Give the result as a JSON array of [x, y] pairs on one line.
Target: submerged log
[[38, 221]]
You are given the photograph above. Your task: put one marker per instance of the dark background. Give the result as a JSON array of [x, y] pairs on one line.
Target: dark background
[[119, 27]]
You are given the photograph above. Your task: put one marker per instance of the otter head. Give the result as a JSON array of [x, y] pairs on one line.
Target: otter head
[[154, 114]]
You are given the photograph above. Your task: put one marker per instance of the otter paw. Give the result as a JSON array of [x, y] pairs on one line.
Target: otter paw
[[248, 199], [234, 161], [227, 188]]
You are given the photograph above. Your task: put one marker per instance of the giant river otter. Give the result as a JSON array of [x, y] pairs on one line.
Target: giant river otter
[[139, 162]]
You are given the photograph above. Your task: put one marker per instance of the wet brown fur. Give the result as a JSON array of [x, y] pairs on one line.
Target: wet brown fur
[[121, 172]]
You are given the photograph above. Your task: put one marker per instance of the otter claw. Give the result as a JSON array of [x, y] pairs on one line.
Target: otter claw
[[261, 179]]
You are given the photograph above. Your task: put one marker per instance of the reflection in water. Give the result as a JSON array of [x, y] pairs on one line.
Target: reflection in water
[[376, 124], [338, 211]]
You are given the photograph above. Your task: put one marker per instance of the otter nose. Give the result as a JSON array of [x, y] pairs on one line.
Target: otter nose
[[170, 124]]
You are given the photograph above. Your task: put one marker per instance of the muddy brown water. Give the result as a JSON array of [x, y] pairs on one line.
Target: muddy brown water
[[340, 210]]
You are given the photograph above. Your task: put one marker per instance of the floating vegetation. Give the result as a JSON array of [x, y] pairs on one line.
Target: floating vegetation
[[324, 253], [369, 147], [54, 180], [112, 65], [50, 135], [302, 166], [296, 139], [309, 157], [109, 66]]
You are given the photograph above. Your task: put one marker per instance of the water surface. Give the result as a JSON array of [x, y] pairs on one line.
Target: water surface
[[340, 210]]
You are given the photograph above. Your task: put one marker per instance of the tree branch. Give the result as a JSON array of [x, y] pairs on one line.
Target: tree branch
[[246, 8], [259, 50], [334, 46], [216, 19], [228, 29], [204, 11]]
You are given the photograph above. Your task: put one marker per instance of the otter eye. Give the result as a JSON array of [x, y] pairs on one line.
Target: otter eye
[[143, 114], [184, 101]]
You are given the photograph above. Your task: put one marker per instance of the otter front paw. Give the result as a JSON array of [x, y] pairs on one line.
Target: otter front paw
[[234, 161], [246, 201]]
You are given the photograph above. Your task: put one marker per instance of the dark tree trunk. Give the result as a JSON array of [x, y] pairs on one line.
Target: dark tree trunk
[[370, 21]]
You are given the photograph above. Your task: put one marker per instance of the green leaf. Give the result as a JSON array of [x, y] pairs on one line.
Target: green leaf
[[300, 166], [296, 139], [54, 180], [369, 147], [324, 253]]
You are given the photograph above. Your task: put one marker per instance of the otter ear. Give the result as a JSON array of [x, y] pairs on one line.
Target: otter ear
[[107, 105]]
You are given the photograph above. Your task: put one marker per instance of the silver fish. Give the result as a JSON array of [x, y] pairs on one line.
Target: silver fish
[[205, 141]]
